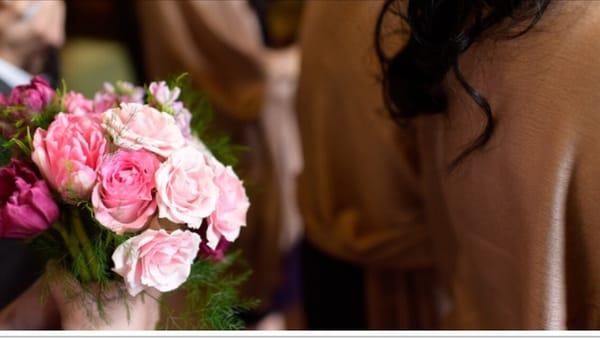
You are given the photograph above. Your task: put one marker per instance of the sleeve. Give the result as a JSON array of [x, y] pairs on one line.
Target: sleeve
[[218, 44]]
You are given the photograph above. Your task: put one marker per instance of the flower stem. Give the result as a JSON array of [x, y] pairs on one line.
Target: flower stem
[[85, 244], [73, 251]]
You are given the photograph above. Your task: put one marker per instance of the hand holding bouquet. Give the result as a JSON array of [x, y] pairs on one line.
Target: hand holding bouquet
[[118, 187]]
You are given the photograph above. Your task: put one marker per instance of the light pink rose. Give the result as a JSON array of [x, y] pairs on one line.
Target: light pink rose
[[76, 103], [69, 154], [156, 259], [163, 94], [135, 126], [123, 198], [185, 191], [231, 209]]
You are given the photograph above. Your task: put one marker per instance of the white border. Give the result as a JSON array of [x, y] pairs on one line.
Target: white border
[[293, 333]]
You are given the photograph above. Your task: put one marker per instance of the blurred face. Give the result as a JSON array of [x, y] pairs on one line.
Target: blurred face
[[28, 29]]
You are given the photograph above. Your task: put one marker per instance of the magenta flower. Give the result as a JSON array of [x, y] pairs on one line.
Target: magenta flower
[[34, 97], [25, 101], [217, 254], [26, 204], [3, 100]]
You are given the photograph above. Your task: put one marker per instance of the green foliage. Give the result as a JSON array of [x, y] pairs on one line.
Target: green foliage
[[212, 300], [57, 105], [5, 153], [78, 245]]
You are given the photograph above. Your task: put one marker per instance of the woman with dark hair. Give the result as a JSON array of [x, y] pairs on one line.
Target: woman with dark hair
[[504, 97]]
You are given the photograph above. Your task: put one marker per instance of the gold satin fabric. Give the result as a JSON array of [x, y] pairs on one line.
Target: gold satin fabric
[[359, 192], [517, 223], [214, 41]]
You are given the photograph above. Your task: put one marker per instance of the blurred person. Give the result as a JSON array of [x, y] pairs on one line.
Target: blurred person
[[504, 100], [367, 260], [30, 34], [221, 45]]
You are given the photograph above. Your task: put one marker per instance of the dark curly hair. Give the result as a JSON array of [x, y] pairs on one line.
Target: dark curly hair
[[439, 32]]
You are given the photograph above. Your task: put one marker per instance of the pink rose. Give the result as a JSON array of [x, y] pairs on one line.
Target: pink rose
[[186, 192], [26, 204], [232, 206], [69, 153], [162, 94], [76, 103], [123, 198], [156, 259], [135, 126]]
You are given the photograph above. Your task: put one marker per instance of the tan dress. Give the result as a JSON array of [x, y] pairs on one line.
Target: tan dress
[[358, 193], [214, 41], [517, 224]]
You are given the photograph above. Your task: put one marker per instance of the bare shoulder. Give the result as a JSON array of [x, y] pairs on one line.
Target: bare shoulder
[[565, 50], [574, 67]]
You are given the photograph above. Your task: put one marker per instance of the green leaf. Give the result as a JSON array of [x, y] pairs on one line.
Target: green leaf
[[212, 300], [5, 153]]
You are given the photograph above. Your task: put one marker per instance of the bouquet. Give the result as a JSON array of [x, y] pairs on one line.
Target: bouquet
[[121, 189]]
